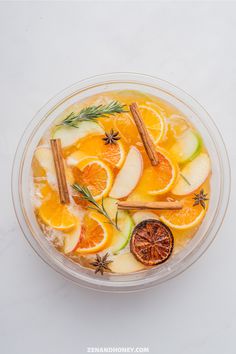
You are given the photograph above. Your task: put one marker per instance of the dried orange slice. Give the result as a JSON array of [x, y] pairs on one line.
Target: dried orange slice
[[154, 122], [114, 154], [187, 217], [95, 235], [55, 214], [161, 178], [151, 242], [95, 175]]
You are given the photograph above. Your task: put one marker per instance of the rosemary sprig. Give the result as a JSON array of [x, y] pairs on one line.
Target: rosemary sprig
[[92, 113], [86, 195]]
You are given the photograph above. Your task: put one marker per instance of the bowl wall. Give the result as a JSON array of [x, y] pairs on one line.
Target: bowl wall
[[220, 180]]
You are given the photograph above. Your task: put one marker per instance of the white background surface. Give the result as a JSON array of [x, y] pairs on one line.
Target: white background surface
[[45, 47]]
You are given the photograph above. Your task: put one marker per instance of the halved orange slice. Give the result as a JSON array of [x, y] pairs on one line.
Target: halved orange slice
[[114, 154], [154, 122], [187, 217], [95, 235], [95, 175], [55, 214], [127, 129], [159, 179], [177, 126]]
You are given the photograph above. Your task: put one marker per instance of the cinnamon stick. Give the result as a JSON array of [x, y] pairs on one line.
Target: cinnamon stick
[[146, 139], [166, 205], [60, 171]]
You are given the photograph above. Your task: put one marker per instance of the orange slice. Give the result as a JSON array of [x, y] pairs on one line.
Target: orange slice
[[185, 218], [47, 192], [153, 119], [95, 175], [154, 122], [159, 179], [177, 125], [95, 235], [114, 154], [127, 129], [55, 214]]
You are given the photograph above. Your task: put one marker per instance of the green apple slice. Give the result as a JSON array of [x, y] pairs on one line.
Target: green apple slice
[[121, 238], [187, 147], [70, 135], [193, 175], [110, 204], [140, 216], [44, 156], [125, 263], [125, 224]]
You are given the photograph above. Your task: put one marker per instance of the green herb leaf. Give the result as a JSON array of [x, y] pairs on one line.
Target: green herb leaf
[[93, 112], [185, 179], [86, 195]]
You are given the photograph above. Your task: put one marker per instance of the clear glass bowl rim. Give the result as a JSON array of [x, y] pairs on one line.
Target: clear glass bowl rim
[[135, 78]]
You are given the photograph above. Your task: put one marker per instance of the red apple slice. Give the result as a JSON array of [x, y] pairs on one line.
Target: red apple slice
[[72, 240], [129, 175]]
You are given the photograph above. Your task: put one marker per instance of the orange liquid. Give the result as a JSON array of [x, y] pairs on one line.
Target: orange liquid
[[169, 127]]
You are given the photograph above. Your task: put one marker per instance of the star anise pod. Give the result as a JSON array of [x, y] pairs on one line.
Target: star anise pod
[[111, 138], [101, 263], [200, 198]]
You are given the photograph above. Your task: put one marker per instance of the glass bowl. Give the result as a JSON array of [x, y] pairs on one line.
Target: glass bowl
[[220, 181]]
